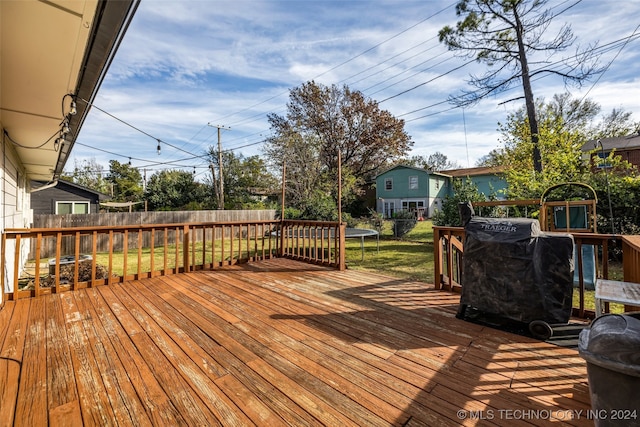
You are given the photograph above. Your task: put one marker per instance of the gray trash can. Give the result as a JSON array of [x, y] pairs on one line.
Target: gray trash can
[[611, 347]]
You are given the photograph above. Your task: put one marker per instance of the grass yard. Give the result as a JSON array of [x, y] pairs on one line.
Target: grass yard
[[412, 258]]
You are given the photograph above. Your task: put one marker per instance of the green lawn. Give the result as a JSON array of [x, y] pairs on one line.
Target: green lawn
[[412, 258]]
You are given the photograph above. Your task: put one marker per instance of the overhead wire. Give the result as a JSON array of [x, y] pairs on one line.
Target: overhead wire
[[249, 144]]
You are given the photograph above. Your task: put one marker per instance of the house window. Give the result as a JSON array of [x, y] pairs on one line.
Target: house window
[[389, 209], [413, 183], [388, 184], [63, 208]]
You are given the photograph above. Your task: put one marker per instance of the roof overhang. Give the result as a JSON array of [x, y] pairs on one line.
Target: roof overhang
[[53, 51]]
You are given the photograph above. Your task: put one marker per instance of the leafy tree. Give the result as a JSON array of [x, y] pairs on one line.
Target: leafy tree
[[321, 122], [434, 162], [243, 178], [173, 190], [464, 190], [126, 182], [494, 158], [509, 36], [565, 125], [90, 174], [618, 184], [560, 146], [615, 124]]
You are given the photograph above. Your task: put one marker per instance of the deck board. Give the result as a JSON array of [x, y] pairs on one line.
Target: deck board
[[273, 343]]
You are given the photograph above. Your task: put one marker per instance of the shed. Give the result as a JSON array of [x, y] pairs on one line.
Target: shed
[[64, 198]]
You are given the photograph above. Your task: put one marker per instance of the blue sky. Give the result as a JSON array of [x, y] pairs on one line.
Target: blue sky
[[185, 65]]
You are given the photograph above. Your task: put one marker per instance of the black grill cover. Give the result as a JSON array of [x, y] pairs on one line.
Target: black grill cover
[[512, 269]]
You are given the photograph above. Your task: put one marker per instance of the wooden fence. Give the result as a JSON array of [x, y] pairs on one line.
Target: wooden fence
[[122, 219]]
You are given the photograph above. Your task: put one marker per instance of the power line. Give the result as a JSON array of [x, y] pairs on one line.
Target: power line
[[249, 144]]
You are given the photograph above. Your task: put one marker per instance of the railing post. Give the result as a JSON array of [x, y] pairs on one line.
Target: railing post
[[342, 265], [281, 234], [3, 257], [185, 248], [437, 259]]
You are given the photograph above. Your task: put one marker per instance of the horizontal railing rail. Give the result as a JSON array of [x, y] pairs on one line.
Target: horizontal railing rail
[[141, 251], [448, 252]]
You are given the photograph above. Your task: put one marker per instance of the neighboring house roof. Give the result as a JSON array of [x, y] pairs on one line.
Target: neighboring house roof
[[485, 170], [410, 167], [629, 142], [51, 52], [62, 183]]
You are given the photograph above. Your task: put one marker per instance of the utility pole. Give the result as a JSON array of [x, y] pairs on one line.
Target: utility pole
[[220, 183]]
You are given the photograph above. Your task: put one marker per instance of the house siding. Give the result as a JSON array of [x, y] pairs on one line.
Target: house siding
[[44, 202], [16, 213], [428, 194]]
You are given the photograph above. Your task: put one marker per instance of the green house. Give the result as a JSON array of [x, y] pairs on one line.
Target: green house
[[488, 180], [422, 191], [411, 189]]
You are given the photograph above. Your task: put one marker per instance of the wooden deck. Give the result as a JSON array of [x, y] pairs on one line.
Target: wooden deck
[[274, 343]]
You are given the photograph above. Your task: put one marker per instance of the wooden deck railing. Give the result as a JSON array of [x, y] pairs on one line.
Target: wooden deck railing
[[631, 258], [314, 242], [448, 250], [143, 251]]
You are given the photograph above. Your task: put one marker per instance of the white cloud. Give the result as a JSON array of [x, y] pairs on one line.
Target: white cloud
[[185, 64]]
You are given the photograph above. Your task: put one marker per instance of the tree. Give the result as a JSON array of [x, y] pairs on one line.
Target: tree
[[174, 189], [615, 124], [560, 146], [125, 181], [566, 124], [494, 158], [90, 174], [464, 190], [323, 121], [434, 162], [243, 179], [507, 35]]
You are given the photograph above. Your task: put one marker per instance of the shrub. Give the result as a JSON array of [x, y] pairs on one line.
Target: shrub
[[403, 222]]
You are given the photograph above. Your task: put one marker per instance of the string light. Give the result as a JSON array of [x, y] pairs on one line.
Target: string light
[[65, 126], [59, 142], [158, 147]]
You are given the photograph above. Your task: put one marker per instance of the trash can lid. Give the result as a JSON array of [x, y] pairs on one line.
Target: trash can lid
[[612, 341]]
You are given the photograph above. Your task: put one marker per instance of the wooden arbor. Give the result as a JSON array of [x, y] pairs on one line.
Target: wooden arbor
[[569, 207]]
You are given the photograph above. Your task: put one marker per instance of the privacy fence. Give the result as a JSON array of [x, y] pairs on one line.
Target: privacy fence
[[125, 219]]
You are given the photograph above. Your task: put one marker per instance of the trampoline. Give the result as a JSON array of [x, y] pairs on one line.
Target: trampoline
[[352, 233]]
